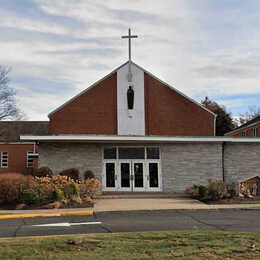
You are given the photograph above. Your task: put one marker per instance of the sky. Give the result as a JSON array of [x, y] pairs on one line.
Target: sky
[[57, 48]]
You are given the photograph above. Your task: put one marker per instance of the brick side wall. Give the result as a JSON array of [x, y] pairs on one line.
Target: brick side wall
[[61, 156], [249, 131], [169, 113], [186, 164], [17, 158], [93, 112], [242, 161]]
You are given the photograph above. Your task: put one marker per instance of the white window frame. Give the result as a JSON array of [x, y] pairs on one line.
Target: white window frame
[[255, 131], [4, 159], [29, 161]]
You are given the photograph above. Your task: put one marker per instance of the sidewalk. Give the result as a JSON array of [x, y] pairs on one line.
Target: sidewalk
[[125, 204]]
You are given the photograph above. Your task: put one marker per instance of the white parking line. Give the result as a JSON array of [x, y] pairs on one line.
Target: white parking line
[[66, 224]]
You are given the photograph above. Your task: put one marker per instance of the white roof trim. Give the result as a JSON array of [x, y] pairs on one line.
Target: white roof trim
[[115, 70], [116, 138], [176, 90]]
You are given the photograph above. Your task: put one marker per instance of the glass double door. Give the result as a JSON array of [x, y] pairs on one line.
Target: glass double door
[[132, 175]]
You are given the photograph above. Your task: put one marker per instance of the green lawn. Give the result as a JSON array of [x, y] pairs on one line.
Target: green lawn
[[148, 245]]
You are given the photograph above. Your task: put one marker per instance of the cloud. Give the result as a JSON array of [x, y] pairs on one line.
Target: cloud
[[58, 48]]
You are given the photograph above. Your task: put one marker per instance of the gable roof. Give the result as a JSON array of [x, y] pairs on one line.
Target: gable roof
[[10, 131], [251, 122], [114, 71]]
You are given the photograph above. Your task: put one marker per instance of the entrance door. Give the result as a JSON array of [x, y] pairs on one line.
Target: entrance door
[[153, 176], [110, 182], [125, 183], [139, 182]]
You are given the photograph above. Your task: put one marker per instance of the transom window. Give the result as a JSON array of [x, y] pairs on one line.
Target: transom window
[[4, 159], [131, 153], [29, 161]]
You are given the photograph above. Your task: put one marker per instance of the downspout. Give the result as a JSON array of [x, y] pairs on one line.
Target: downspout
[[215, 118], [223, 162]]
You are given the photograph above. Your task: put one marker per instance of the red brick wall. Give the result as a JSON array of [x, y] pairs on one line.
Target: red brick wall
[[93, 112], [169, 113], [17, 158], [249, 131]]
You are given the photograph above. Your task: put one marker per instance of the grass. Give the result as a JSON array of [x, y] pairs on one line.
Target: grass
[[188, 245]]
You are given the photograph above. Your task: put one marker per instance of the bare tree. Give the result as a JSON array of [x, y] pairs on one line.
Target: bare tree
[[8, 106], [252, 112]]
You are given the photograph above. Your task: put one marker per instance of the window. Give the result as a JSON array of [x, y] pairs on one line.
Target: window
[[244, 133], [4, 159], [255, 131], [153, 153], [110, 153], [29, 162], [131, 152]]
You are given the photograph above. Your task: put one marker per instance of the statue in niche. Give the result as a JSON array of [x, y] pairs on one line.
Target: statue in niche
[[130, 97]]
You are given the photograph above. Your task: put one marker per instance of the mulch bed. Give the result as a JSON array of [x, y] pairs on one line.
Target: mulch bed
[[237, 200]]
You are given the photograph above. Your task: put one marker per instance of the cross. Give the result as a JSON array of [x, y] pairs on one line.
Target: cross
[[129, 37]]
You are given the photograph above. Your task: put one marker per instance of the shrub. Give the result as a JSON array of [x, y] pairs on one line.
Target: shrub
[[231, 189], [71, 190], [203, 192], [89, 175], [73, 173], [217, 190], [10, 186], [44, 172], [31, 196], [193, 191], [89, 188], [58, 195]]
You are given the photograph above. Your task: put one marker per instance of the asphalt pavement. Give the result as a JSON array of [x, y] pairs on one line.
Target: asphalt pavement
[[135, 221]]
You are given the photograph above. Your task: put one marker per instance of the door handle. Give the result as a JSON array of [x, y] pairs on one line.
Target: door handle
[[131, 177]]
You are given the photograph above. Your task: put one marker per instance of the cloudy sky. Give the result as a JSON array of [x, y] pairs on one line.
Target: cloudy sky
[[57, 48]]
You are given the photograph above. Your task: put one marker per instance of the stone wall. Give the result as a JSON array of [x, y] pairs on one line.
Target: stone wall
[[61, 156], [242, 161], [186, 164]]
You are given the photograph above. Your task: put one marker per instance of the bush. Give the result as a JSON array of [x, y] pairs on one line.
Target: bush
[[203, 192], [193, 191], [89, 188], [71, 190], [217, 190], [31, 196], [58, 195], [44, 172], [10, 186], [72, 173], [89, 175]]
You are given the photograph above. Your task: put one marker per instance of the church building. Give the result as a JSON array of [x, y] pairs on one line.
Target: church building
[[138, 134]]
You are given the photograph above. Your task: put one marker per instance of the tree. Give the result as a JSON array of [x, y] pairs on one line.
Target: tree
[[224, 122], [8, 106], [252, 112]]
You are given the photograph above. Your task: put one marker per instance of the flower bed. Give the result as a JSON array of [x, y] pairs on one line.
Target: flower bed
[[19, 191]]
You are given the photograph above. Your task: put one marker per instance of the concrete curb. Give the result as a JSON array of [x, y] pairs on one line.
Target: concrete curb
[[56, 214]]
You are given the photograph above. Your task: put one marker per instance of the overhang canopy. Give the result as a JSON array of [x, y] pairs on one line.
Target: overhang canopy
[[137, 139]]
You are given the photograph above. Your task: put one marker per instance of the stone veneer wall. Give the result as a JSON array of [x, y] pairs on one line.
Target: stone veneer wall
[[186, 164], [242, 161], [61, 156]]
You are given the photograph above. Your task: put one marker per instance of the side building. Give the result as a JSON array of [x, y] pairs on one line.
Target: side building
[[15, 155], [250, 129]]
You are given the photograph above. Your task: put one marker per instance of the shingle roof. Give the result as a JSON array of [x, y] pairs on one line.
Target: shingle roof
[[10, 131]]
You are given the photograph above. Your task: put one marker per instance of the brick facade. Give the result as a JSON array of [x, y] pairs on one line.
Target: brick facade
[[92, 112], [17, 158], [248, 131], [170, 113]]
